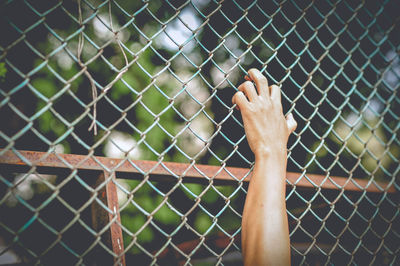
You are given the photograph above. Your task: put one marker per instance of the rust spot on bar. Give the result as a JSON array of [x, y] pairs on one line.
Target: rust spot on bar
[[187, 171], [102, 218], [116, 231]]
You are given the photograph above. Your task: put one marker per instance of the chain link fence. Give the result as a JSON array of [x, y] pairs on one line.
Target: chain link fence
[[120, 145]]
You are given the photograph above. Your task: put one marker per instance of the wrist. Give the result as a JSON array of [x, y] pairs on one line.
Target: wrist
[[263, 155], [273, 169]]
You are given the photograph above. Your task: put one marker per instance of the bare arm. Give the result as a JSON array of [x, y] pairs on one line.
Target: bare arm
[[265, 232]]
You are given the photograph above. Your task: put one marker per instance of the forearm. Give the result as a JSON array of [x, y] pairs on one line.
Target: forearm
[[265, 233]]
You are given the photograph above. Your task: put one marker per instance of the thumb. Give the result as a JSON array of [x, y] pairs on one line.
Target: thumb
[[291, 123]]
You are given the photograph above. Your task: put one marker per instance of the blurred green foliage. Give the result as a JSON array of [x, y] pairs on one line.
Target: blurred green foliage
[[3, 71]]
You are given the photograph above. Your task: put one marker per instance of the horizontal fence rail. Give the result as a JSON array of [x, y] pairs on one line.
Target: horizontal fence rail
[[136, 169]]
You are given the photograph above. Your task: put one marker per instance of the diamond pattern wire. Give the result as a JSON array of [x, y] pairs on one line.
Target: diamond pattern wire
[[152, 80]]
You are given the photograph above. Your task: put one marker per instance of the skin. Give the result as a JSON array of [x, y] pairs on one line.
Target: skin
[[265, 231]]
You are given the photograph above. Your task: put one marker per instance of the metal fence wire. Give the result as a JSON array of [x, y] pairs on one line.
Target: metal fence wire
[[120, 145]]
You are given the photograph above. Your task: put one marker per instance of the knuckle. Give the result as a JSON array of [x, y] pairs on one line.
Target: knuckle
[[251, 108], [262, 106], [277, 105], [262, 77], [253, 71], [275, 87], [248, 85], [266, 101], [262, 100], [234, 97], [269, 107], [242, 87]]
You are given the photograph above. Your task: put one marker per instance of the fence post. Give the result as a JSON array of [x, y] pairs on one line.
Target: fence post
[[112, 237]]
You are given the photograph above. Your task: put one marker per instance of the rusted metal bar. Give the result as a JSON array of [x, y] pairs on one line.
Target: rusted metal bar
[[191, 173], [102, 218]]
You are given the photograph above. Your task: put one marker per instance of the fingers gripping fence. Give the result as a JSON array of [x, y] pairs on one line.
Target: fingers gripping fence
[[120, 145]]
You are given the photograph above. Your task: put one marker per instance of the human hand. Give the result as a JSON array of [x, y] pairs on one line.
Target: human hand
[[267, 129]]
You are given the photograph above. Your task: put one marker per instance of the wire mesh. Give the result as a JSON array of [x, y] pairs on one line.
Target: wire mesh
[[153, 80]]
